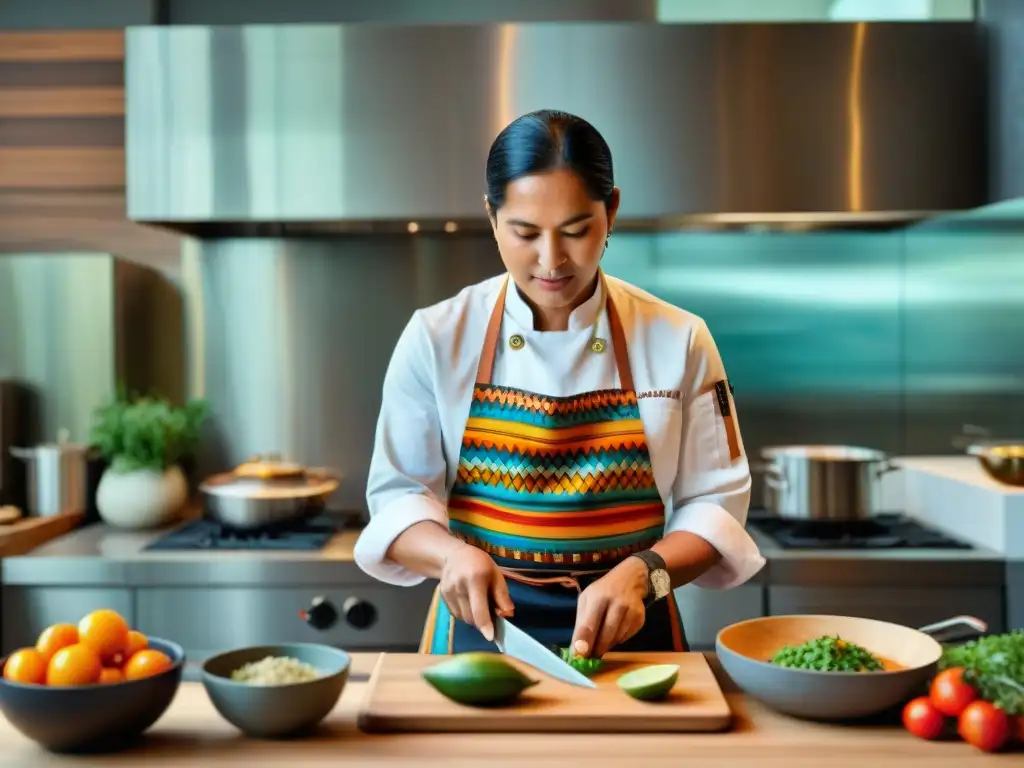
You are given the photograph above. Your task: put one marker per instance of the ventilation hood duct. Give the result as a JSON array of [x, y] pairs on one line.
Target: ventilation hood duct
[[313, 129]]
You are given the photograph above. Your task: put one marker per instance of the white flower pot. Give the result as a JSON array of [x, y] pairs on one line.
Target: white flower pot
[[142, 498]]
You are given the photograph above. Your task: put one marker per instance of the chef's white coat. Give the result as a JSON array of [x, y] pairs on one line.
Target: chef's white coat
[[674, 361]]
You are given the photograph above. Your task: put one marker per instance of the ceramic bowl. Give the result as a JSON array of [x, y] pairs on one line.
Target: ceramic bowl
[[277, 711], [92, 718], [909, 656]]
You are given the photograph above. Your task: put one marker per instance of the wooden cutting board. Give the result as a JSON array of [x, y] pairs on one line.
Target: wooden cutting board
[[398, 699]]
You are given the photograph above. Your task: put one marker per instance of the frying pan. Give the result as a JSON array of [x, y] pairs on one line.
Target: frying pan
[[910, 657]]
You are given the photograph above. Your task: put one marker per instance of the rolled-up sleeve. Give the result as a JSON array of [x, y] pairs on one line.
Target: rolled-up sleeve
[[407, 478], [711, 492]]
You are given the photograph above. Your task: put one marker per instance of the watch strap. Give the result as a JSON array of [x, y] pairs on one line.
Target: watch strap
[[654, 562]]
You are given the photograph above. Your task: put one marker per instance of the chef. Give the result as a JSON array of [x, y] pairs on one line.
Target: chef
[[556, 446]]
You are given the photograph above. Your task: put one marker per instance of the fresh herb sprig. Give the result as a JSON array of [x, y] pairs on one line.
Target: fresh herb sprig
[[995, 666], [585, 664], [827, 654]]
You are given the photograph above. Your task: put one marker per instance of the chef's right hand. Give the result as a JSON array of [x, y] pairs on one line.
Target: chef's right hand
[[470, 584]]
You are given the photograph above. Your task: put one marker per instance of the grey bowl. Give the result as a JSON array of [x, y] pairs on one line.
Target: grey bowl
[[910, 657], [277, 711], [92, 718]]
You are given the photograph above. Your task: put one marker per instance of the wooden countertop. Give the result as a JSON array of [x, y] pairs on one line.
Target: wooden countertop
[[192, 731]]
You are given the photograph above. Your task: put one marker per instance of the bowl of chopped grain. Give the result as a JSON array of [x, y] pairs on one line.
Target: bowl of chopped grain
[[276, 691]]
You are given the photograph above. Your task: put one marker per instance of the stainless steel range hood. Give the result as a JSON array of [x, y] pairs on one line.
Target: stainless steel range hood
[[289, 130]]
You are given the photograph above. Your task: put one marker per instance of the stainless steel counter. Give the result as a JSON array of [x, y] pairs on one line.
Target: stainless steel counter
[[211, 600]]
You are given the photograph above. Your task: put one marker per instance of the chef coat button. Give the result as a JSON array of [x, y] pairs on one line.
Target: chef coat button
[[516, 341], [598, 345]]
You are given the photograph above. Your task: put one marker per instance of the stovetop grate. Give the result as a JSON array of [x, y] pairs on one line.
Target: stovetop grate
[[887, 531], [210, 535]]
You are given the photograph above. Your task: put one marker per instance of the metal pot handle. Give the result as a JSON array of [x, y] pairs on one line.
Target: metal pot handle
[[22, 453], [963, 626], [886, 467], [773, 475]]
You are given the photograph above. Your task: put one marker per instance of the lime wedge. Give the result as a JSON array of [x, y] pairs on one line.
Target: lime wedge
[[478, 679], [650, 683]]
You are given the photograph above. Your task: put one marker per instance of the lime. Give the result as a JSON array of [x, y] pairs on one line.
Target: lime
[[478, 678], [650, 683]]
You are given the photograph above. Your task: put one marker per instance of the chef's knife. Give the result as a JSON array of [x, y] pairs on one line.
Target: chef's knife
[[516, 643]]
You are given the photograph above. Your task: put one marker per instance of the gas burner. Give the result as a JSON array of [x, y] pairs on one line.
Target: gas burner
[[210, 535], [890, 531]]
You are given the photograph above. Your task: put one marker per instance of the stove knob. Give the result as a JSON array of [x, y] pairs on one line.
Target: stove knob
[[321, 614], [359, 613]]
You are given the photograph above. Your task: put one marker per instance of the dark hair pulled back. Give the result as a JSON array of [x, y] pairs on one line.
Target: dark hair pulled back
[[545, 141]]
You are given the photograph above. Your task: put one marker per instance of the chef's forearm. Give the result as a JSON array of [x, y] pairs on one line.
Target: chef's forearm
[[687, 556], [423, 548]]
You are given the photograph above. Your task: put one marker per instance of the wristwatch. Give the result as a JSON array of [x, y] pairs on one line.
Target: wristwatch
[[658, 582]]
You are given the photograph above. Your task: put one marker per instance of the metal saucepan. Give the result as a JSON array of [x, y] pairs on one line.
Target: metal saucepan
[[1002, 460], [822, 482], [266, 492], [910, 658], [57, 476]]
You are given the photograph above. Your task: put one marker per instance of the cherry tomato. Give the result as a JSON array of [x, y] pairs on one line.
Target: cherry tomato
[[984, 726], [922, 719], [950, 694]]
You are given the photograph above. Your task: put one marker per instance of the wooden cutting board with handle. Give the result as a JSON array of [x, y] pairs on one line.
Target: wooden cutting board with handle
[[398, 699]]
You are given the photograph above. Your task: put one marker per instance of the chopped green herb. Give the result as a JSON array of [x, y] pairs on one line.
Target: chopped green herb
[[827, 654], [588, 666], [995, 666]]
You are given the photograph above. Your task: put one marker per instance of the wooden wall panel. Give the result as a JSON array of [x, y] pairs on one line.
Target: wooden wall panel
[[62, 172]]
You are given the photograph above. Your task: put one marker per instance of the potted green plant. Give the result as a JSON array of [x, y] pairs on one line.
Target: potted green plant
[[144, 441]]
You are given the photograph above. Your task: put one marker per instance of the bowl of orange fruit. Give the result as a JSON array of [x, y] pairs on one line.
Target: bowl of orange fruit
[[91, 686]]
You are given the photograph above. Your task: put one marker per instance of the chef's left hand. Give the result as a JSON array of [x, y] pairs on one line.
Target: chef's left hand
[[611, 610]]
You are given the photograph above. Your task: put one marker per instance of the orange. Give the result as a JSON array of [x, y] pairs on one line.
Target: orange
[[77, 664], [25, 666], [110, 675], [146, 664], [136, 642], [106, 632], [55, 637]]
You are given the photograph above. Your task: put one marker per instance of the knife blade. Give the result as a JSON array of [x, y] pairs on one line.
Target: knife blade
[[513, 641]]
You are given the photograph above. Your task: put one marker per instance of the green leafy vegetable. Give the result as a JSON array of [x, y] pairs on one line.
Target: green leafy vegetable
[[588, 666], [827, 654], [147, 433], [995, 666]]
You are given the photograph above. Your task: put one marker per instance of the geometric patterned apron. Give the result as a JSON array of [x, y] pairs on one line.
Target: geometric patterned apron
[[558, 490]]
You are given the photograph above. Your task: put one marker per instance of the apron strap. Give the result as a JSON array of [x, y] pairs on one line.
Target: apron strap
[[485, 368]]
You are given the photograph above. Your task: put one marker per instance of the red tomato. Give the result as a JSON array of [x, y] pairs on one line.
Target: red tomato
[[950, 694], [922, 719], [984, 726]]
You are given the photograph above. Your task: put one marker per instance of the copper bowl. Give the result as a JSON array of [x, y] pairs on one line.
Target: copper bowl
[[1002, 461]]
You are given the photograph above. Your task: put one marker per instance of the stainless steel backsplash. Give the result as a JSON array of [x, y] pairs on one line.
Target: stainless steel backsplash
[[890, 340], [74, 326]]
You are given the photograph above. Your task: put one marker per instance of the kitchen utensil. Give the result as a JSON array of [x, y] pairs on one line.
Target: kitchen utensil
[[265, 492], [910, 657], [93, 717], [57, 476], [822, 482], [275, 711], [512, 641], [400, 700]]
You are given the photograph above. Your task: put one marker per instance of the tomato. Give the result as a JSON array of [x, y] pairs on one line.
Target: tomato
[[950, 694], [922, 719], [984, 726]]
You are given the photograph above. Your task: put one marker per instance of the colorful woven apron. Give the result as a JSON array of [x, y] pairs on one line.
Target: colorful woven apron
[[557, 490]]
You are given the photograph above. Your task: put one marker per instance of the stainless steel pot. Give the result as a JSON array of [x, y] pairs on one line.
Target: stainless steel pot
[[822, 482], [267, 493], [57, 477]]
